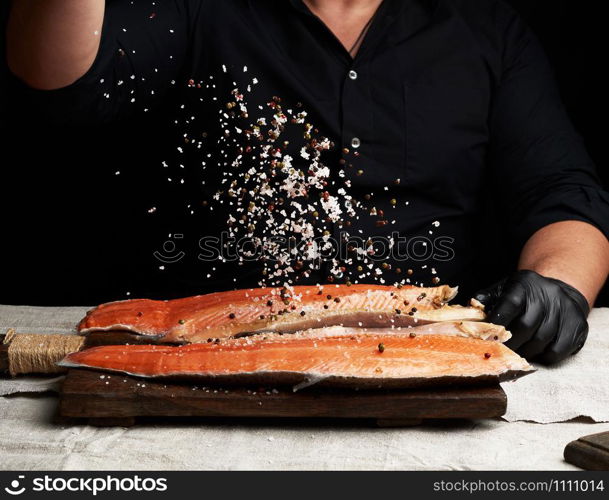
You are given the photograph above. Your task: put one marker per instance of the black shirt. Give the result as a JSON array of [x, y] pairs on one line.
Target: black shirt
[[447, 122]]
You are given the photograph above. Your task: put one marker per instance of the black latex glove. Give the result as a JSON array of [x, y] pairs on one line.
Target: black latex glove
[[547, 317]]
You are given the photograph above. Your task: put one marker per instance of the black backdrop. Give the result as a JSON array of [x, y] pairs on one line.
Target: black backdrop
[[58, 219]]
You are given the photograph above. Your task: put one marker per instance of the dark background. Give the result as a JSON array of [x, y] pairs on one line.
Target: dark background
[[59, 200]]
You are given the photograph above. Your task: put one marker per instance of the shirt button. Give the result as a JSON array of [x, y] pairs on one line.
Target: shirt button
[[353, 75], [355, 143]]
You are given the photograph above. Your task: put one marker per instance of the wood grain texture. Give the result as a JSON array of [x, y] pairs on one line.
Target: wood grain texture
[[589, 452], [96, 395]]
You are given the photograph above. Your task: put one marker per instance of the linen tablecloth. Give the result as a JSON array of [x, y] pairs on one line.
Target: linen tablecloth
[[558, 398]]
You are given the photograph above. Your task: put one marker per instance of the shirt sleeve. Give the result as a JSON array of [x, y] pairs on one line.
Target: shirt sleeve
[[143, 53], [541, 170]]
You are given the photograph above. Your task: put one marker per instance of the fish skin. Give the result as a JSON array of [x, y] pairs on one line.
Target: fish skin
[[472, 329], [199, 318], [343, 361]]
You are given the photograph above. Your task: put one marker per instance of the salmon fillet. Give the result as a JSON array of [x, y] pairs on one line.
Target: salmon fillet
[[359, 361], [286, 310]]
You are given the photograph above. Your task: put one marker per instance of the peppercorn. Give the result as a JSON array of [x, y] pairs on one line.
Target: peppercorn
[[381, 347], [231, 315]]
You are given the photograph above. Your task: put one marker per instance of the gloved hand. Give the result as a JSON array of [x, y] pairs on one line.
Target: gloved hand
[[546, 316]]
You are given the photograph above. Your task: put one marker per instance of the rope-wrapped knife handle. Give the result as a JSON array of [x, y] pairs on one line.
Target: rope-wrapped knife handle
[[24, 353]]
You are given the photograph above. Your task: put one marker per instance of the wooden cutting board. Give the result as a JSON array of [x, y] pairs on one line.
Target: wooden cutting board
[[114, 399]]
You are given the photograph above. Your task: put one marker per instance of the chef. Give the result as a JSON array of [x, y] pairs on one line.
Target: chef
[[439, 112]]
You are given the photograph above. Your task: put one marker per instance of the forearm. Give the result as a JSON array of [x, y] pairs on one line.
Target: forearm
[[571, 251], [52, 43]]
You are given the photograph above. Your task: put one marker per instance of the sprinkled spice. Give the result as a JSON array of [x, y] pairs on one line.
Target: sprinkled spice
[[487, 355], [412, 335], [275, 189], [336, 299], [302, 313], [269, 303], [181, 321], [231, 315], [381, 347], [398, 311]]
